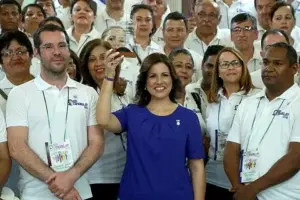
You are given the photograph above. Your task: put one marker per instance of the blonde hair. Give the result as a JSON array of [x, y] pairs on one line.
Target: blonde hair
[[217, 83]]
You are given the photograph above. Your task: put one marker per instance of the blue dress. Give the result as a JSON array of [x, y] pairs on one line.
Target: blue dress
[[157, 149]]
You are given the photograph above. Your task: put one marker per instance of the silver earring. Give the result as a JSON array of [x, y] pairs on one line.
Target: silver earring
[[145, 88]]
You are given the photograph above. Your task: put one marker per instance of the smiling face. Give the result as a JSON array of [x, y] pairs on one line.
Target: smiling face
[[159, 81], [230, 68], [82, 14], [96, 63], [54, 52], [184, 68], [283, 19], [16, 65]]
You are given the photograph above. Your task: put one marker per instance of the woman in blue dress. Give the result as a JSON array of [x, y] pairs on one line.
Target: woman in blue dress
[[161, 135]]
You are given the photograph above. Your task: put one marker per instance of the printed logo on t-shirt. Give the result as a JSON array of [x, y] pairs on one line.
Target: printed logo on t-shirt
[[75, 102], [279, 112]]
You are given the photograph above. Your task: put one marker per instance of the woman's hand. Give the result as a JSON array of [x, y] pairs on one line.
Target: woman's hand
[[111, 61]]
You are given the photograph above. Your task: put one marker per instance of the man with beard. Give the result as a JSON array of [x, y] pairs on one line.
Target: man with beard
[[262, 155], [207, 15], [51, 123], [243, 35], [112, 15]]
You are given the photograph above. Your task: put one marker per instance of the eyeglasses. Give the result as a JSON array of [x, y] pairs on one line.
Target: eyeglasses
[[234, 64], [11, 53], [246, 29], [50, 47]]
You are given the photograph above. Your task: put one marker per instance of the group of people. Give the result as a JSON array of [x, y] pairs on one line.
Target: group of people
[[98, 102]]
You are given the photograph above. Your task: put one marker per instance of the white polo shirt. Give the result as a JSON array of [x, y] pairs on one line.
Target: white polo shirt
[[193, 42], [31, 112], [228, 12], [283, 117], [109, 168], [3, 134], [85, 38], [215, 173], [255, 62], [104, 21], [141, 52], [130, 69]]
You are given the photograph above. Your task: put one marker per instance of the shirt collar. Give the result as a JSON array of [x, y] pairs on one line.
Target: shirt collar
[[221, 93], [43, 85], [6, 84], [217, 36], [108, 18], [91, 33], [287, 95]]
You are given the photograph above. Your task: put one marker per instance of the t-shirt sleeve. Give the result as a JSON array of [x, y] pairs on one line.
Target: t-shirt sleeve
[[93, 104], [16, 108], [295, 134], [3, 134], [122, 116], [195, 148]]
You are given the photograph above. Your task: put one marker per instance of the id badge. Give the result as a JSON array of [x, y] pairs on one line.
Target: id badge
[[221, 139], [60, 156], [249, 171]]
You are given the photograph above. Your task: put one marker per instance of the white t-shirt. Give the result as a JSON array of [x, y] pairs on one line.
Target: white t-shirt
[[222, 38], [3, 134], [85, 38], [282, 117], [215, 173], [109, 168], [31, 112]]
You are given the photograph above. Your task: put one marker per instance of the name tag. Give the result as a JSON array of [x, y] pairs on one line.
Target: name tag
[[60, 157], [221, 139], [249, 166]]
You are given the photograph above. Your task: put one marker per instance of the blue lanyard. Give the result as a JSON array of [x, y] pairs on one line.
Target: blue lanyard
[[66, 119]]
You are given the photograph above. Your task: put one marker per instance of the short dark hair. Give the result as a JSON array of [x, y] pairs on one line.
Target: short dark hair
[[280, 4], [11, 2], [273, 32], [184, 51], [243, 17], [84, 57], [291, 53], [142, 96], [49, 28], [52, 19], [212, 50], [24, 11], [138, 7], [175, 16], [7, 37], [92, 4]]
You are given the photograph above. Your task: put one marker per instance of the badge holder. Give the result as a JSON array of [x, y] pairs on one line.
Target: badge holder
[[248, 166], [221, 139]]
